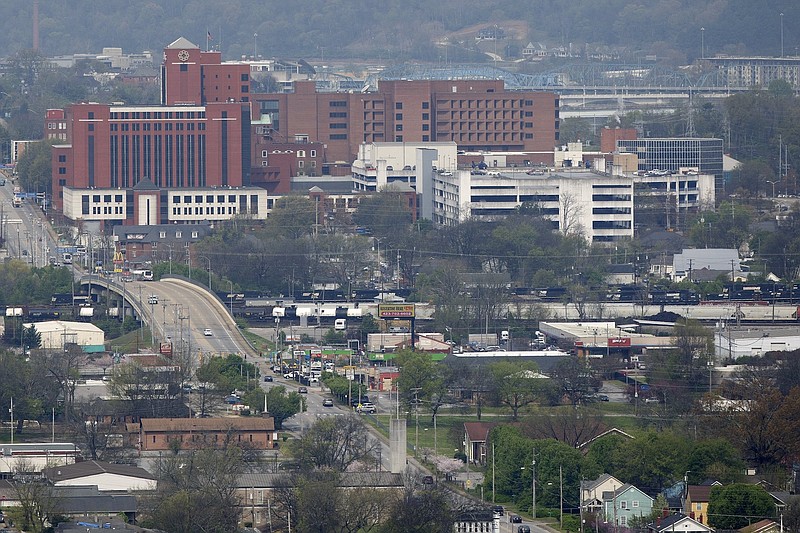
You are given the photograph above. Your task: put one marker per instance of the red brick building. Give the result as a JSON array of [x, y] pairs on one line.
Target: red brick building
[[157, 434], [476, 114], [199, 138], [610, 136]]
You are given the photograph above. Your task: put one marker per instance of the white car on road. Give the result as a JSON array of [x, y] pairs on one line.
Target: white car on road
[[208, 333]]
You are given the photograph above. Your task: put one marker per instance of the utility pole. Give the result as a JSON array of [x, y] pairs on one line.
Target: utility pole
[[416, 415], [561, 497], [533, 483]]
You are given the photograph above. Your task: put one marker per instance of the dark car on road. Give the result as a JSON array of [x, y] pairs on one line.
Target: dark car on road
[[302, 390], [524, 529], [516, 519], [267, 379]]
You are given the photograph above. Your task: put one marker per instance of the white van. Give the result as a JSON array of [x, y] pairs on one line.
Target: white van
[[340, 324]]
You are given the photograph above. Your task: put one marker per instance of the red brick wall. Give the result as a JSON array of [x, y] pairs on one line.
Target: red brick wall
[[609, 138]]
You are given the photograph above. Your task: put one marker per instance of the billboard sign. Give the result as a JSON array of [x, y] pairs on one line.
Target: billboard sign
[[395, 310]]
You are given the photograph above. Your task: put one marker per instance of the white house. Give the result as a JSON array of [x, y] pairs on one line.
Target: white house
[[679, 523]]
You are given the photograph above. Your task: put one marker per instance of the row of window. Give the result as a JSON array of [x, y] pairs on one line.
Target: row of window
[[300, 153], [56, 125], [210, 210], [399, 105], [209, 198], [126, 115], [155, 127]]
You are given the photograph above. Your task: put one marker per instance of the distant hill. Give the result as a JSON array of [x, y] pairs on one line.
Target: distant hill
[[407, 30]]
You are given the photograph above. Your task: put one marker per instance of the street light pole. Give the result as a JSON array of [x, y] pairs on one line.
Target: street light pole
[[209, 270], [230, 295]]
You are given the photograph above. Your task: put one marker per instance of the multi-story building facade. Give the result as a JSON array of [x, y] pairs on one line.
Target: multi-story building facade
[[198, 138], [597, 206], [146, 204], [672, 154], [757, 71], [475, 114], [211, 132]]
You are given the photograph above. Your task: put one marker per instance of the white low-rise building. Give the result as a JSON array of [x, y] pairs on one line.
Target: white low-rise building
[[56, 334]]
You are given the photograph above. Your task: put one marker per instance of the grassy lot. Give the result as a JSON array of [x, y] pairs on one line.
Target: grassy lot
[[132, 342], [260, 343]]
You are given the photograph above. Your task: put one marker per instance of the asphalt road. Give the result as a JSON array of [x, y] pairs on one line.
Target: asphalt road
[[183, 313], [26, 228]]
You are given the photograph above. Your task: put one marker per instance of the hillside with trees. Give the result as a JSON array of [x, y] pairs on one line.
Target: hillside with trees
[[395, 30]]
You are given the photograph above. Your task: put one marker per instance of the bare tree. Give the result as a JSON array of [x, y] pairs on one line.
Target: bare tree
[[37, 498], [570, 213], [336, 443], [197, 491], [572, 427]]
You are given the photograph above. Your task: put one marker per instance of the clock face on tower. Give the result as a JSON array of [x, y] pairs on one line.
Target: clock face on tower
[[183, 55]]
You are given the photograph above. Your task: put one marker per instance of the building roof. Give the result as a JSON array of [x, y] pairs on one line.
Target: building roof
[[344, 479], [246, 423], [612, 431], [152, 233], [670, 523], [612, 494], [762, 526], [699, 493], [100, 503], [478, 431], [64, 326], [182, 42], [593, 484], [91, 468], [710, 258], [145, 184]]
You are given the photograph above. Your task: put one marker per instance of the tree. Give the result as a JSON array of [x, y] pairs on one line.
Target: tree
[[738, 505], [38, 502], [572, 427], [197, 491], [321, 504], [35, 168], [386, 215], [573, 377], [422, 380], [31, 338], [335, 443], [420, 511], [516, 385], [294, 216], [281, 405], [759, 420]]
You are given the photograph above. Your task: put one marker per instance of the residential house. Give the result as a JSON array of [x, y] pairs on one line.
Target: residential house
[[475, 437], [679, 523], [592, 491], [105, 476], [158, 434], [762, 526], [696, 503], [625, 503]]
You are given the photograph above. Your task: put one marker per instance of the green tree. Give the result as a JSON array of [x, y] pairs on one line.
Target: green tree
[[516, 384], [31, 338], [294, 216], [35, 168], [386, 214], [281, 405], [737, 505]]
